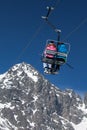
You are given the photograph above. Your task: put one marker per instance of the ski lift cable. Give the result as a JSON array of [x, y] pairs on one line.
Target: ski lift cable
[[29, 43], [76, 28], [35, 34]]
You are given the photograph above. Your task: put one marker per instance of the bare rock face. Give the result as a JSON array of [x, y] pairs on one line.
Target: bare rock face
[[85, 100], [30, 102]]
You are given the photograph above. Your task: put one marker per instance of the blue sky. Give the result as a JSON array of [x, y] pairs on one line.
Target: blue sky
[[23, 35]]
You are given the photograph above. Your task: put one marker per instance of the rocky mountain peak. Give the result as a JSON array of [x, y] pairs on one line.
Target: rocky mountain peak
[[28, 101], [25, 70]]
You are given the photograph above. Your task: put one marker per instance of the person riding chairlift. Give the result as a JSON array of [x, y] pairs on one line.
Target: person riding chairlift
[[50, 47], [61, 56]]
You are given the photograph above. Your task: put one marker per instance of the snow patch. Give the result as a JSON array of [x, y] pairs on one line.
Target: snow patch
[[2, 76], [31, 75], [82, 107], [6, 125], [6, 105], [82, 125]]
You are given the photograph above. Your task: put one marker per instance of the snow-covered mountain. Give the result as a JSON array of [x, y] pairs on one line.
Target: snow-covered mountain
[[28, 101]]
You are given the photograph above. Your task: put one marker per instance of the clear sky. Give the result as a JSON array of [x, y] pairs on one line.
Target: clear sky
[[23, 35]]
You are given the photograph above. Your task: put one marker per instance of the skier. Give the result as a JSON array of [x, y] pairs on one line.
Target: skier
[[61, 56], [49, 53]]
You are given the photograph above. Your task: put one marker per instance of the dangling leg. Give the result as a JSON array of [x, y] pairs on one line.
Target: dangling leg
[[45, 66], [55, 68], [49, 68]]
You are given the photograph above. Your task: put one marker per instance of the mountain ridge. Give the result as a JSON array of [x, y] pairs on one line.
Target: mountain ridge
[[28, 101]]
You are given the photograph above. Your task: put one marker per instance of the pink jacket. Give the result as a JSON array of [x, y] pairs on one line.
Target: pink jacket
[[50, 51]]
